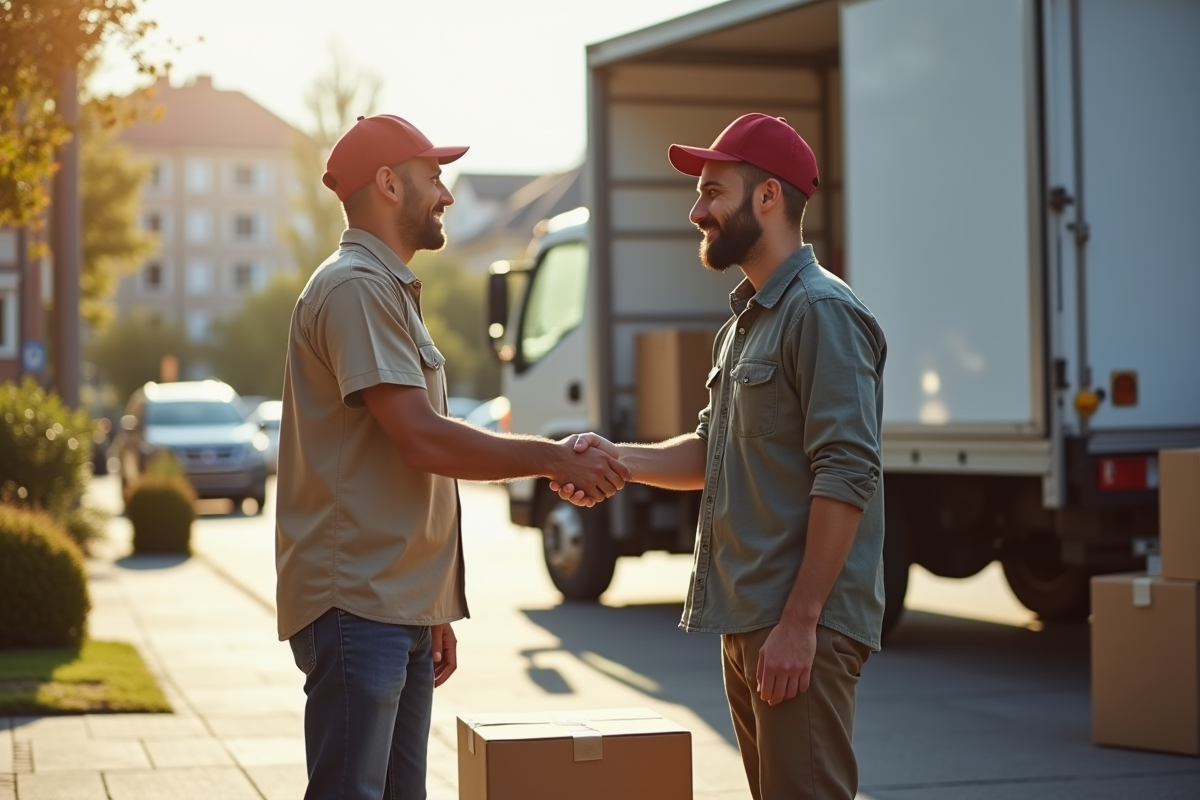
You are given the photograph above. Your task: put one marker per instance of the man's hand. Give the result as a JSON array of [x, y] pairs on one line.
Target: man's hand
[[445, 653], [580, 443], [596, 462], [785, 661]]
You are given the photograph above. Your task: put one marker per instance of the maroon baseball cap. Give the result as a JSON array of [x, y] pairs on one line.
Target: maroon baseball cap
[[766, 142], [383, 140]]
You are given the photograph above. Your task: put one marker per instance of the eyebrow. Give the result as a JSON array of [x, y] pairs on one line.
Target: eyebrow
[[709, 185]]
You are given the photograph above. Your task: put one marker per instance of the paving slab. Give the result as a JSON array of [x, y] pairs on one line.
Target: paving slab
[[6, 751], [8, 787], [267, 725], [61, 755], [203, 752], [209, 783], [266, 750], [143, 726], [25, 729], [61, 786], [280, 781]]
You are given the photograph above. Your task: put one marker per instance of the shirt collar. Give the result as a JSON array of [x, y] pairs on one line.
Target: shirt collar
[[383, 254], [776, 285]]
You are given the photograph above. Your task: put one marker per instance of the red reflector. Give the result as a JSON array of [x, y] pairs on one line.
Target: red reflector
[[1124, 474]]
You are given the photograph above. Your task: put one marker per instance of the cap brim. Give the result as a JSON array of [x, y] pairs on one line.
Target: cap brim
[[444, 155], [690, 160]]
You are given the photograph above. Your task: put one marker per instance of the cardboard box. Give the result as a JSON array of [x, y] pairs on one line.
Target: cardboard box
[[671, 367], [1146, 663], [1179, 513], [613, 754]]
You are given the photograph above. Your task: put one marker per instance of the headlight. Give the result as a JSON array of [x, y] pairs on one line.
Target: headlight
[[261, 442]]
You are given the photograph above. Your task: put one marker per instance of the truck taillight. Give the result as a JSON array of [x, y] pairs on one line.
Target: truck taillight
[[1126, 473]]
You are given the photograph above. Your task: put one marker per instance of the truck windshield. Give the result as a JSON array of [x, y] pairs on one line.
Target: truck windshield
[[555, 304]]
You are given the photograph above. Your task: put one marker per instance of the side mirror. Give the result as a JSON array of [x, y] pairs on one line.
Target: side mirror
[[497, 306], [129, 422]]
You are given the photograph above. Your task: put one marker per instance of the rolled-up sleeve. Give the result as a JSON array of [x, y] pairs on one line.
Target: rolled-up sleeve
[[838, 363], [362, 335]]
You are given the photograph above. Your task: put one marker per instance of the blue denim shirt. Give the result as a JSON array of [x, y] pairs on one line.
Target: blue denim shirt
[[795, 408]]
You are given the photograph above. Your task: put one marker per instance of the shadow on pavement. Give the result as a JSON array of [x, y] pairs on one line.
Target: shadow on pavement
[[145, 562]]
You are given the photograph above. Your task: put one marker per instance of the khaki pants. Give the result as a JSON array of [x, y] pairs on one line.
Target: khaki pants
[[801, 748]]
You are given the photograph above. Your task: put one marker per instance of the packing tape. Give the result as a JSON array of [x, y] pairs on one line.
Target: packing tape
[[588, 743], [1143, 595]]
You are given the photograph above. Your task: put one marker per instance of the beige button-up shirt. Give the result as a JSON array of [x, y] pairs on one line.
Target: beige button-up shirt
[[356, 529]]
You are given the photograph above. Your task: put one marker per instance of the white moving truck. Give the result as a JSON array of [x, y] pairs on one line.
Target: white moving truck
[[1008, 184]]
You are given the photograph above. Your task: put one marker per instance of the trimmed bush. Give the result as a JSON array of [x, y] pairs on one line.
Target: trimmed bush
[[161, 510], [84, 525], [45, 449], [43, 588]]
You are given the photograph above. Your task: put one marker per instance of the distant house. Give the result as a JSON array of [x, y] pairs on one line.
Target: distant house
[[218, 196], [498, 213]]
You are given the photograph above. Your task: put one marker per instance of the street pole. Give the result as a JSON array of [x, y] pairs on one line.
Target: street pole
[[65, 229]]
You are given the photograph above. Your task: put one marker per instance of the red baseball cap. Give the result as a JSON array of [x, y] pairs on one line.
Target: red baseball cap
[[383, 140], [766, 142]]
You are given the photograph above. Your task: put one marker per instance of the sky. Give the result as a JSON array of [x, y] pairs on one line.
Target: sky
[[506, 77]]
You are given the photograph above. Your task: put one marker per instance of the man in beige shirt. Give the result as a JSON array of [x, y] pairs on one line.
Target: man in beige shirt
[[368, 541]]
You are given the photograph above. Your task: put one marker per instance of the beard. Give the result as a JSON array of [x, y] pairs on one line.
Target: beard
[[732, 241], [420, 228]]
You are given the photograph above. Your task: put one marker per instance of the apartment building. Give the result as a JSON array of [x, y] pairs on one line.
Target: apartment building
[[218, 196]]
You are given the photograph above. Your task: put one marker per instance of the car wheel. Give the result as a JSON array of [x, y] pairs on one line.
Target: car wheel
[[897, 560], [579, 555], [1045, 585]]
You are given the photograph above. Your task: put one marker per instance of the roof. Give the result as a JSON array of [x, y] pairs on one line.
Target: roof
[[539, 199], [199, 114], [492, 187]]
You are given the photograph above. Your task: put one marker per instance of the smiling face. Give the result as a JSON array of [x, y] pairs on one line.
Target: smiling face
[[419, 214], [724, 213]]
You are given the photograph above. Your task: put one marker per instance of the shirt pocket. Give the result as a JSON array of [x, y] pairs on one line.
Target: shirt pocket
[[755, 397], [431, 357]]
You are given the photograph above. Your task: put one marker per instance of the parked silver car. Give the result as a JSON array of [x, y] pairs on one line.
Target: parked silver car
[[267, 415], [202, 424]]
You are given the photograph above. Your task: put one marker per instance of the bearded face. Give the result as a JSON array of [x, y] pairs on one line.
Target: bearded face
[[419, 221], [729, 242]]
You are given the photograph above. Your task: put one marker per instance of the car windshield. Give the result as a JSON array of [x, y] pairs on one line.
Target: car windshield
[[193, 412]]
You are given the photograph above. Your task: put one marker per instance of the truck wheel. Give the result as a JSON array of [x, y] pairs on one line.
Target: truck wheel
[[579, 554], [1045, 585], [897, 559]]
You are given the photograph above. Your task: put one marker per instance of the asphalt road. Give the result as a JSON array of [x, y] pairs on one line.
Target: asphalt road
[[971, 698]]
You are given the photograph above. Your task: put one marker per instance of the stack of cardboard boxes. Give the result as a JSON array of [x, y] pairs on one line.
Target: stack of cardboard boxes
[[1146, 630]]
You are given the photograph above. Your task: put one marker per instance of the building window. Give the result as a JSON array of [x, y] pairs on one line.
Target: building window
[[245, 228], [246, 177], [8, 248], [159, 179], [199, 226], [248, 277], [199, 277], [9, 285], [154, 278], [154, 222], [199, 325], [199, 176]]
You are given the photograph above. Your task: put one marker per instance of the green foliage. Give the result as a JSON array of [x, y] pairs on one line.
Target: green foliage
[[99, 676], [453, 302], [164, 464], [161, 510], [84, 525], [43, 588], [110, 195], [249, 347], [45, 449], [41, 40], [129, 353]]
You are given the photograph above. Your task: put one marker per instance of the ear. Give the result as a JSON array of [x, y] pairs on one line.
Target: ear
[[768, 196], [388, 184]]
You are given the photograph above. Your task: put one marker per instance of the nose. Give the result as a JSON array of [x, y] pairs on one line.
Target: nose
[[699, 211], [447, 198]]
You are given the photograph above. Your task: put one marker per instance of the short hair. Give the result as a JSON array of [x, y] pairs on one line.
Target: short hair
[[357, 202], [794, 200]]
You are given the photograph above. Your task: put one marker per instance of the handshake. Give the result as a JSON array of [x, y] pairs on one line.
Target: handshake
[[590, 470]]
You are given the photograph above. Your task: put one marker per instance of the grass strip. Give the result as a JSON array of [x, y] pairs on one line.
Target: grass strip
[[97, 677]]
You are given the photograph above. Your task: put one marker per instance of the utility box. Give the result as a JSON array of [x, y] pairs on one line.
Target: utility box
[[672, 367], [1146, 663], [611, 754]]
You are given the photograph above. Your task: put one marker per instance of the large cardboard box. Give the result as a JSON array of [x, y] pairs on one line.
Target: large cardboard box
[[612, 754], [1179, 513], [671, 367], [1146, 663]]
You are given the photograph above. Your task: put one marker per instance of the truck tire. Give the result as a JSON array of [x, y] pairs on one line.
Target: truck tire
[[1045, 585], [897, 560], [579, 555]]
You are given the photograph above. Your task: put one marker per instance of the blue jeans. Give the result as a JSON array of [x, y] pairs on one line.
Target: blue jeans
[[370, 696]]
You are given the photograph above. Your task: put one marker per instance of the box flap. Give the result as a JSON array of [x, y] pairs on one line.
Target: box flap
[[572, 724]]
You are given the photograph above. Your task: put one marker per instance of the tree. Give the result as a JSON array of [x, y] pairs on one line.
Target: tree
[[113, 242], [40, 41], [250, 346], [333, 102], [131, 350]]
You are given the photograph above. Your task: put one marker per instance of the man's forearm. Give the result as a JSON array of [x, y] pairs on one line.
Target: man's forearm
[[441, 447], [832, 526], [674, 464]]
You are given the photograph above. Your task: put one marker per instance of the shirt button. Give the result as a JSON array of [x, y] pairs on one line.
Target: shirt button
[[741, 330], [745, 380], [703, 548]]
